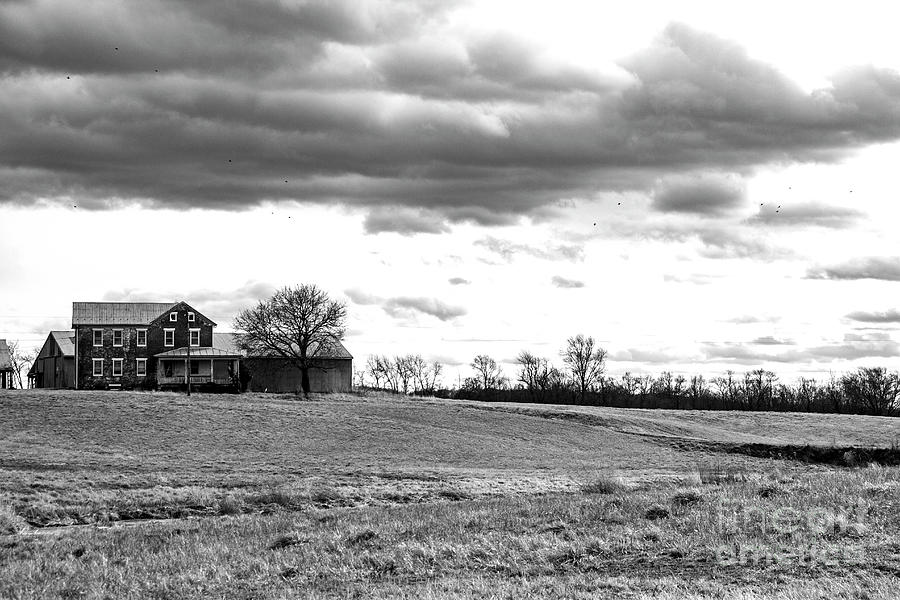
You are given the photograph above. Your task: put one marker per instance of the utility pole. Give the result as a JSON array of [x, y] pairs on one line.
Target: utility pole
[[187, 364]]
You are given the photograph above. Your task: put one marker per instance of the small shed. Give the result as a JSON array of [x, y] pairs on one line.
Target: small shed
[[54, 366], [6, 367]]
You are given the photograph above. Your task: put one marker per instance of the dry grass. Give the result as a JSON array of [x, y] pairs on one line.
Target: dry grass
[[842, 527], [384, 497]]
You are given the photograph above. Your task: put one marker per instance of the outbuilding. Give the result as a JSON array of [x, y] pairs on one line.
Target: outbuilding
[[54, 366]]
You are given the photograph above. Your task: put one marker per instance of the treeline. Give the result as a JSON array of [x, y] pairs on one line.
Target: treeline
[[581, 379], [873, 391]]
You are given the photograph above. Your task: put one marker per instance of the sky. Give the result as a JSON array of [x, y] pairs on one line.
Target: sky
[[701, 187]]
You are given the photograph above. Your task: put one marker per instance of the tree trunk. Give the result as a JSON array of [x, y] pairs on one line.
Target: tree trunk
[[304, 379]]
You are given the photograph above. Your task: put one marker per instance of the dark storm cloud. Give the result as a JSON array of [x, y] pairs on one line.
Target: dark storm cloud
[[564, 283], [377, 103], [408, 307], [709, 195], [874, 267], [806, 214], [888, 316]]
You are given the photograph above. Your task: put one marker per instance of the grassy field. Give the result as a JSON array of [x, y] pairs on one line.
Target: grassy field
[[134, 495]]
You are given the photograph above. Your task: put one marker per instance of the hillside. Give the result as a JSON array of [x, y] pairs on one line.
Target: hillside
[[270, 497], [140, 450]]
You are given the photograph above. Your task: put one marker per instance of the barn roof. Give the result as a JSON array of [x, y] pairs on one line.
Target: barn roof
[[65, 340], [5, 362], [231, 342], [117, 313]]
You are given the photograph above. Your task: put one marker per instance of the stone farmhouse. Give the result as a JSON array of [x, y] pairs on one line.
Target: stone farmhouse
[[157, 345]]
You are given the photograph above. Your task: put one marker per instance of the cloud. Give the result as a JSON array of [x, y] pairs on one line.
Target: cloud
[[888, 316], [747, 319], [403, 221], [362, 298], [219, 305], [867, 337], [562, 282], [402, 306], [769, 340], [406, 306], [509, 250], [458, 281], [884, 268], [708, 195], [806, 214], [645, 356], [848, 350], [383, 103]]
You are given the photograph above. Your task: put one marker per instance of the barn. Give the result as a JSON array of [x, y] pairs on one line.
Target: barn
[[333, 370], [6, 368], [54, 366]]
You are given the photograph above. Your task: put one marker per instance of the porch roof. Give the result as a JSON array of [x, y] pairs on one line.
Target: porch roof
[[204, 352]]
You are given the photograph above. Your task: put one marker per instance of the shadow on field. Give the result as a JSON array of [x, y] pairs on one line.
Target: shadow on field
[[849, 456]]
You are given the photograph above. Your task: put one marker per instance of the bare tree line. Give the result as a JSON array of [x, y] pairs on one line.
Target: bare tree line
[[582, 379], [405, 374]]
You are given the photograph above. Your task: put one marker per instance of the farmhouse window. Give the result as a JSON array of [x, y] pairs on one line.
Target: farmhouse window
[[169, 337], [173, 316], [142, 337], [98, 337], [195, 368], [191, 317], [117, 337], [98, 367], [140, 368], [117, 367], [195, 337]]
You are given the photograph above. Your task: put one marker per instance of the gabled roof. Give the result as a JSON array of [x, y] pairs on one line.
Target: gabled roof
[[5, 362], [230, 342], [204, 352], [117, 313], [181, 304], [65, 340]]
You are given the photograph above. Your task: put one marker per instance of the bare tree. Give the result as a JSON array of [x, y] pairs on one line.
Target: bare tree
[[295, 323], [373, 368], [488, 372], [873, 390], [359, 378], [405, 370], [437, 369], [585, 361], [533, 373], [21, 361], [696, 389]]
